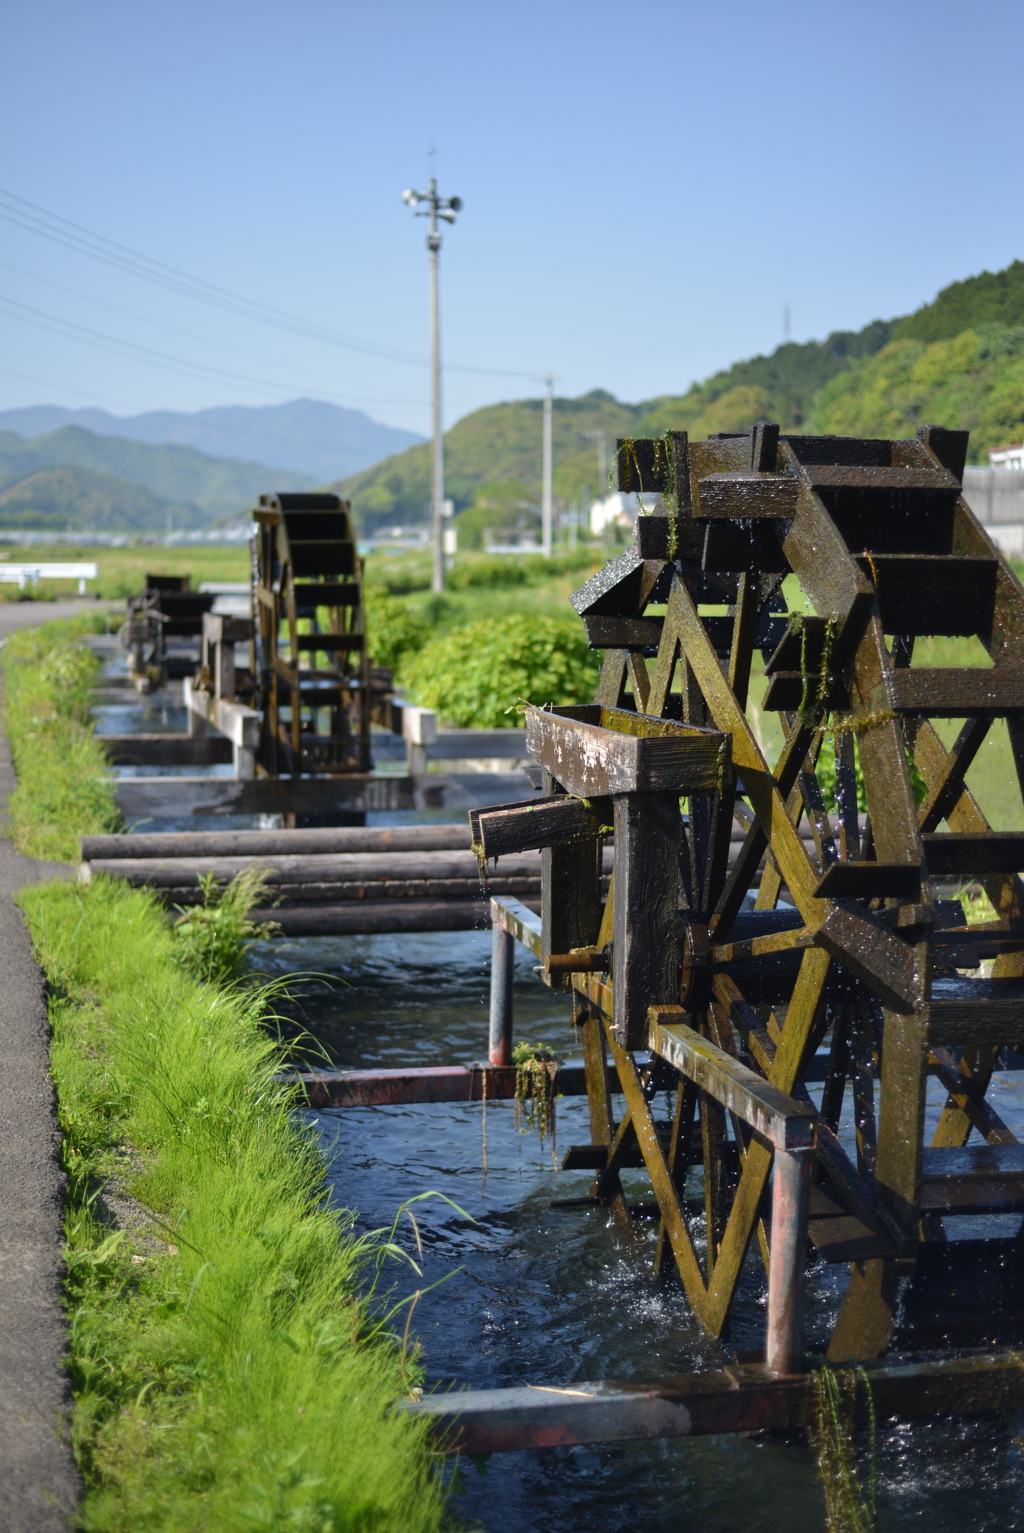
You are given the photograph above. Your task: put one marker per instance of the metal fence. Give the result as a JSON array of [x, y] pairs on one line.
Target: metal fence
[[996, 496]]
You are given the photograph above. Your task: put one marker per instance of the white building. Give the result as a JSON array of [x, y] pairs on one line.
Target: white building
[[619, 510], [1011, 457]]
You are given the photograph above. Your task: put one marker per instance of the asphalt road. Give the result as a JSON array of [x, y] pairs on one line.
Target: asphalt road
[[39, 1484]]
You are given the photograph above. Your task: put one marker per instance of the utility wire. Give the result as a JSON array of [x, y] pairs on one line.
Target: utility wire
[[130, 349], [40, 221], [188, 334]]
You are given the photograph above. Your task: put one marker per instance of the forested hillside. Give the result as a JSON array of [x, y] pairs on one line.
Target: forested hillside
[[958, 361], [73, 498], [206, 488]]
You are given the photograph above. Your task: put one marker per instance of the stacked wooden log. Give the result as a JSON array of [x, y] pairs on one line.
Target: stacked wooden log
[[353, 880], [410, 878]]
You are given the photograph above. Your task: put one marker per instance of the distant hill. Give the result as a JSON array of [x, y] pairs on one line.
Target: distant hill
[[956, 361], [70, 498], [975, 380], [214, 487], [305, 436], [992, 298]]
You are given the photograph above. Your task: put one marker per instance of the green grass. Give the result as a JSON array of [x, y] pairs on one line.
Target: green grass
[[233, 1361], [64, 787], [229, 1371]]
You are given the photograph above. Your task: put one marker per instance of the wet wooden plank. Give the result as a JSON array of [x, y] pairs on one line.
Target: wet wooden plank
[[953, 692], [770, 1112], [755, 496], [523, 924], [951, 854], [646, 944], [533, 824], [594, 752]]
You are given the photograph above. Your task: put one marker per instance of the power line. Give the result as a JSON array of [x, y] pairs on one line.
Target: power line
[[130, 349], [98, 247], [203, 339]]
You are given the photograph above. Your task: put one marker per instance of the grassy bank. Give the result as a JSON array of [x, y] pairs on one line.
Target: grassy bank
[[228, 1369], [64, 789], [233, 1362]]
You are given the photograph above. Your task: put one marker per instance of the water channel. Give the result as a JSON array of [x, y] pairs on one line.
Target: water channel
[[530, 1293]]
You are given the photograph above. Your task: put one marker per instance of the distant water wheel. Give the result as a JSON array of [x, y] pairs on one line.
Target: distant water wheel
[[310, 636], [830, 956]]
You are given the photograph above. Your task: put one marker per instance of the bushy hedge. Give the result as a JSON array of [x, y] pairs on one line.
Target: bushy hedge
[[475, 674]]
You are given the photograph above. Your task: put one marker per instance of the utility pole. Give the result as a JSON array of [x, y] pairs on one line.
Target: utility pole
[[546, 499], [785, 323], [445, 208]]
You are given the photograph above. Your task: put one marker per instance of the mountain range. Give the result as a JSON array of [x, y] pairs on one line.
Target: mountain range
[[306, 436], [194, 487]]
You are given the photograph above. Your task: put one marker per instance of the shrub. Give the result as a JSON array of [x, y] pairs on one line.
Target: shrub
[[394, 628], [475, 674]]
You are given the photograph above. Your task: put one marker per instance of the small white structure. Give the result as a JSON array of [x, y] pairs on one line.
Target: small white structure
[[619, 510], [32, 574], [1011, 457]]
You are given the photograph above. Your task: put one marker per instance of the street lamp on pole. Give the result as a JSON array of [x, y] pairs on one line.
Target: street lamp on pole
[[437, 208]]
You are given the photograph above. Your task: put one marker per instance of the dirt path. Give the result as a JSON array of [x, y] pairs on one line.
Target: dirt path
[[39, 1484]]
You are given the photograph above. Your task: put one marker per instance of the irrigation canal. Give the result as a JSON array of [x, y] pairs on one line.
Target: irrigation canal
[[533, 1293]]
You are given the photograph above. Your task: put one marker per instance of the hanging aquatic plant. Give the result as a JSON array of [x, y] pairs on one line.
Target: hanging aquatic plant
[[850, 1503], [536, 1069]]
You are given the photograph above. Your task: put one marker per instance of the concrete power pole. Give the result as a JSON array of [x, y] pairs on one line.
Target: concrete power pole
[[446, 208], [546, 496]]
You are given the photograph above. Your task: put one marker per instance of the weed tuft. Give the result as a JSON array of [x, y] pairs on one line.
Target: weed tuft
[[214, 938]]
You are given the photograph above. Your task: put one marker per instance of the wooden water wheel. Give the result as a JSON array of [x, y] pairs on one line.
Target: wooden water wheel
[[310, 636], [831, 944]]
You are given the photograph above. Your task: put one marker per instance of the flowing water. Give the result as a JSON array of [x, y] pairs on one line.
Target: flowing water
[[530, 1293]]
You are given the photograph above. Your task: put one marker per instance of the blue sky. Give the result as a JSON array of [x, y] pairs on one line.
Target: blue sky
[[646, 187]]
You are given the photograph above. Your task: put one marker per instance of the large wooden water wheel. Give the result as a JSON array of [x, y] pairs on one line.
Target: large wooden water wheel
[[310, 637], [750, 975]]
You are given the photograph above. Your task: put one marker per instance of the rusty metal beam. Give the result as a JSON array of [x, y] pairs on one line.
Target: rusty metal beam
[[743, 1398], [444, 1083]]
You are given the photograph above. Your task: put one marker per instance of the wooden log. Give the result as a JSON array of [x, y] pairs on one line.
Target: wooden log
[[368, 917], [951, 855], [965, 1012], [525, 886], [279, 843], [339, 867]]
